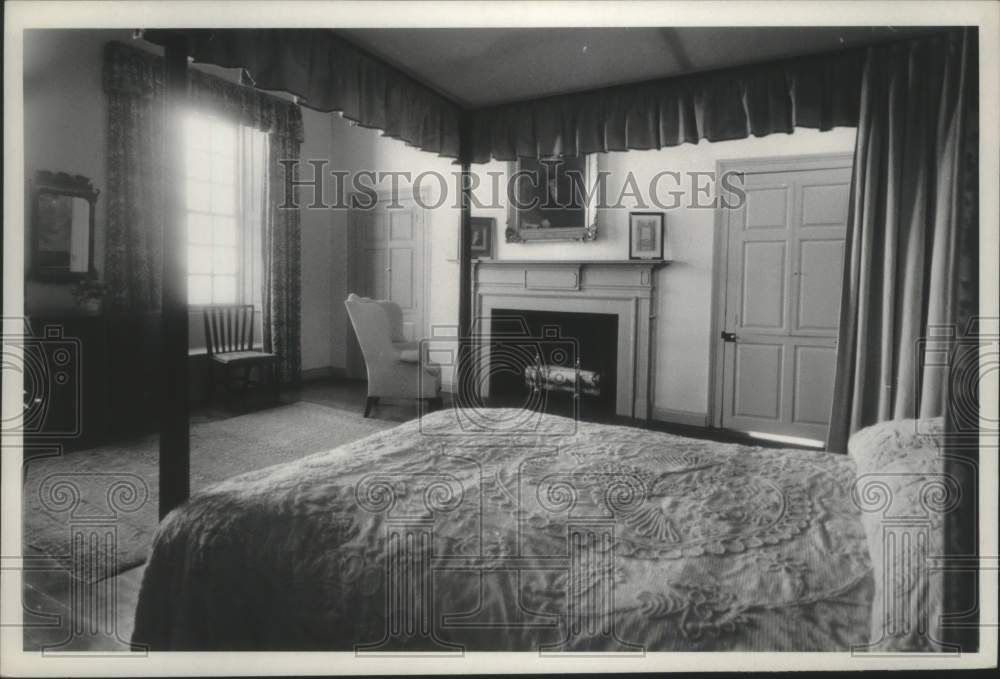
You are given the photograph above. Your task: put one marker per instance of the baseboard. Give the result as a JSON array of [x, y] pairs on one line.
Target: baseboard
[[685, 417], [323, 373]]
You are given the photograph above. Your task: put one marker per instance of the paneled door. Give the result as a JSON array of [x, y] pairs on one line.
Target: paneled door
[[784, 258], [387, 261]]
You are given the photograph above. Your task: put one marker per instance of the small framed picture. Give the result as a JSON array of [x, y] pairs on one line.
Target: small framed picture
[[481, 232], [645, 235]]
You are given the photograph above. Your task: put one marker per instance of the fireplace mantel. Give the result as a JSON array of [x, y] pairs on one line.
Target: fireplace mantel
[[575, 262], [625, 288]]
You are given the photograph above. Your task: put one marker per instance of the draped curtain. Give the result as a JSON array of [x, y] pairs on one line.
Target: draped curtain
[[133, 81], [901, 279], [282, 293], [134, 240], [962, 409], [908, 344]]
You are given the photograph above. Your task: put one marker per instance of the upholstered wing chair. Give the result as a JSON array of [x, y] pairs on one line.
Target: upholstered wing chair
[[396, 368]]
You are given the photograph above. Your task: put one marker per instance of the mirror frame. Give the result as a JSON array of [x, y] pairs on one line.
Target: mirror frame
[[585, 232], [64, 184]]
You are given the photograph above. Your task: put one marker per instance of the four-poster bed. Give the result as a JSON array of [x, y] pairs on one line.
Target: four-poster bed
[[822, 92], [175, 443]]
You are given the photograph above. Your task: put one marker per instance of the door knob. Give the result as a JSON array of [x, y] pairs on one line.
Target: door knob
[[728, 336]]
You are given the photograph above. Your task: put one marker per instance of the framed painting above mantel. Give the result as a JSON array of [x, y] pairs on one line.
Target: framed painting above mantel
[[554, 200]]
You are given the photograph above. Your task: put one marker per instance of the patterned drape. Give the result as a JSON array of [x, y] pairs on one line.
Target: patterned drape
[[282, 266], [133, 81], [135, 195], [962, 410]]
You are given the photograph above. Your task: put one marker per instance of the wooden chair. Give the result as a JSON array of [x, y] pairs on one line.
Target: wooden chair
[[229, 340]]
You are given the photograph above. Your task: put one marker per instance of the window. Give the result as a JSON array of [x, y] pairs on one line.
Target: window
[[226, 185]]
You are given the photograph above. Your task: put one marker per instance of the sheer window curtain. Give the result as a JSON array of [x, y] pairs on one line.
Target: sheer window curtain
[[254, 169]]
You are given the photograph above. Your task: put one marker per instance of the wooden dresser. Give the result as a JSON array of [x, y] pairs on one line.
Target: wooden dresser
[[90, 378]]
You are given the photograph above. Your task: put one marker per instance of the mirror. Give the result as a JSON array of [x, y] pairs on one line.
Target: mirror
[[62, 226], [552, 199]]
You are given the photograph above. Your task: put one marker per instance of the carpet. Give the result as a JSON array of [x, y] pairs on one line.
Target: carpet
[[107, 497]]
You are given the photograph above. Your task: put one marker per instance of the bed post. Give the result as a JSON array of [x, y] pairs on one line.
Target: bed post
[[461, 377], [175, 444]]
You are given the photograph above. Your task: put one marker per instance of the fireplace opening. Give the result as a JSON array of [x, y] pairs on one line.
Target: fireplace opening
[[562, 362]]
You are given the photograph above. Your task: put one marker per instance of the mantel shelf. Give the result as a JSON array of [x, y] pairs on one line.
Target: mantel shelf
[[576, 262]]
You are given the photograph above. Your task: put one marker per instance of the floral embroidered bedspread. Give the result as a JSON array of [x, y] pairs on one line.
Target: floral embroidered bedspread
[[509, 530]]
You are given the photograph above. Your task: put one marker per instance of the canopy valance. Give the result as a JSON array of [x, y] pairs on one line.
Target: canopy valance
[[820, 92], [131, 72], [329, 74]]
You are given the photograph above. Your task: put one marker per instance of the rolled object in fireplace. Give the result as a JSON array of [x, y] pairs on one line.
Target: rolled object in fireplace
[[561, 378]]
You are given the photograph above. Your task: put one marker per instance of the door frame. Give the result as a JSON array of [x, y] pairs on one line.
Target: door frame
[[354, 362], [720, 250]]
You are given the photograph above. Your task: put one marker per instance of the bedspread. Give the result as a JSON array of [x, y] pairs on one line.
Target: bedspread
[[489, 531]]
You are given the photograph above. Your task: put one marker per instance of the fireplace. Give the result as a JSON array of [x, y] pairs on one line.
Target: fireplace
[[573, 297], [578, 350]]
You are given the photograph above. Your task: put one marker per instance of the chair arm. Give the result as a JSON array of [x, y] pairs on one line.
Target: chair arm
[[408, 352]]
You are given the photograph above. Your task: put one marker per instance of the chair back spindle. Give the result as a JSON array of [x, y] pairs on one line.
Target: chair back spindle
[[228, 328]]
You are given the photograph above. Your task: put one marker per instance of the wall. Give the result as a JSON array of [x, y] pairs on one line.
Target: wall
[[356, 148], [65, 128], [684, 288], [318, 267]]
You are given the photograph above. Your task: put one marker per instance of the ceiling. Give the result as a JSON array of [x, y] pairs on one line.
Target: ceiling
[[484, 66]]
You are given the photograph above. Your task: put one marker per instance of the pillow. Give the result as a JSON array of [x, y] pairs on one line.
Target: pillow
[[903, 494]]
